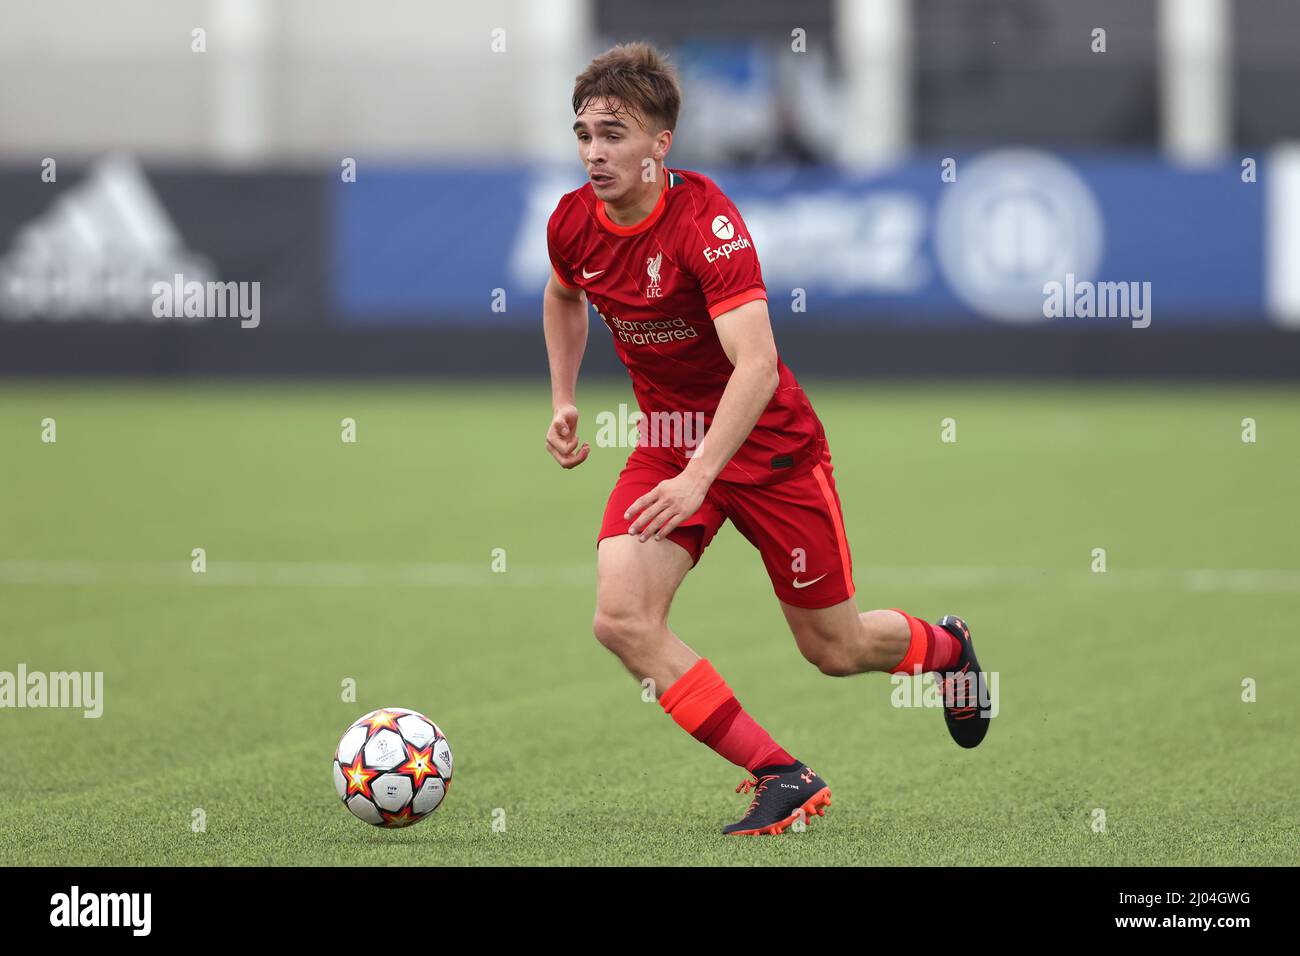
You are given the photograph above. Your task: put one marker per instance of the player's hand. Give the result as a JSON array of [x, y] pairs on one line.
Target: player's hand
[[562, 438], [666, 505]]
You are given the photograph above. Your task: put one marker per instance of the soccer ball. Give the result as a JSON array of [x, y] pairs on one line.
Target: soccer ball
[[392, 767]]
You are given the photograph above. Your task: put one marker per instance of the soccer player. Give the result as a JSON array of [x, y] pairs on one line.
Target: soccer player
[[666, 261]]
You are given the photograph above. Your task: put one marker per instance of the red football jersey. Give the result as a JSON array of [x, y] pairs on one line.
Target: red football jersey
[[658, 285]]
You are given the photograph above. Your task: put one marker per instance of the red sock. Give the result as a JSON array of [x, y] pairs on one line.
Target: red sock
[[931, 649], [704, 706]]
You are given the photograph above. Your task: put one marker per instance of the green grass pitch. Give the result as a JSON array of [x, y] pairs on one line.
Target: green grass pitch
[[1119, 691]]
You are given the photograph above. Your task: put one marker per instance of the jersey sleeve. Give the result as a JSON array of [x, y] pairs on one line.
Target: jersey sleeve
[[555, 247], [720, 254]]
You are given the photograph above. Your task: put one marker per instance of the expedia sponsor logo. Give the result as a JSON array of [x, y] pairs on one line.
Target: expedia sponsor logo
[[725, 250]]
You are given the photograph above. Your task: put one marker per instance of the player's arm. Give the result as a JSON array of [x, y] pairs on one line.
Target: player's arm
[[746, 336], [564, 322]]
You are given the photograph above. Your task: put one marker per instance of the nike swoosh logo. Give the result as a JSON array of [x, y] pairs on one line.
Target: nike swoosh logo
[[804, 584], [590, 275]]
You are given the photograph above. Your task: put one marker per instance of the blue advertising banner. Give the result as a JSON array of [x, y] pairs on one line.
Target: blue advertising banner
[[1008, 236]]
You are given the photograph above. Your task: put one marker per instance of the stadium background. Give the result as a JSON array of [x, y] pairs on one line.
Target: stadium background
[[230, 162], [408, 301]]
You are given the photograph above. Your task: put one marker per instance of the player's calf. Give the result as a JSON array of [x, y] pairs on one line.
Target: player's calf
[[840, 641]]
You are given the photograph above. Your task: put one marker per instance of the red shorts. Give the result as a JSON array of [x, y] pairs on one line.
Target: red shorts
[[796, 525]]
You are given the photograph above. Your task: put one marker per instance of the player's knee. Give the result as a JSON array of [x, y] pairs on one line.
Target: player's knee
[[620, 629], [828, 657], [837, 665], [605, 626]]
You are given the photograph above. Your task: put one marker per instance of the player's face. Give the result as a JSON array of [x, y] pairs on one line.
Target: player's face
[[614, 148]]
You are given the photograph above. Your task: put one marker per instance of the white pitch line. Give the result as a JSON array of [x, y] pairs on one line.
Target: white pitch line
[[287, 574], [870, 579]]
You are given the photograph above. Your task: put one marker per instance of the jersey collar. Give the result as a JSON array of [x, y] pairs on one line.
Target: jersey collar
[[670, 179]]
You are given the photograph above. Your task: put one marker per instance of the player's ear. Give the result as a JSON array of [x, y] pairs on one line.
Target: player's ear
[[663, 143]]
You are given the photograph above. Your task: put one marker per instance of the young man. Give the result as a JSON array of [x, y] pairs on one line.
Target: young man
[[666, 260]]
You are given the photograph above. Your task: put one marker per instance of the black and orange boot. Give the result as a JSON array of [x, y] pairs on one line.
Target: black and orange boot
[[964, 690], [782, 795]]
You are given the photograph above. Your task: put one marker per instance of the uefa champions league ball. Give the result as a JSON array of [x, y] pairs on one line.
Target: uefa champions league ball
[[392, 767]]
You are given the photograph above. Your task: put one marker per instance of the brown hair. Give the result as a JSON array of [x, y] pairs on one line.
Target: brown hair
[[638, 75]]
